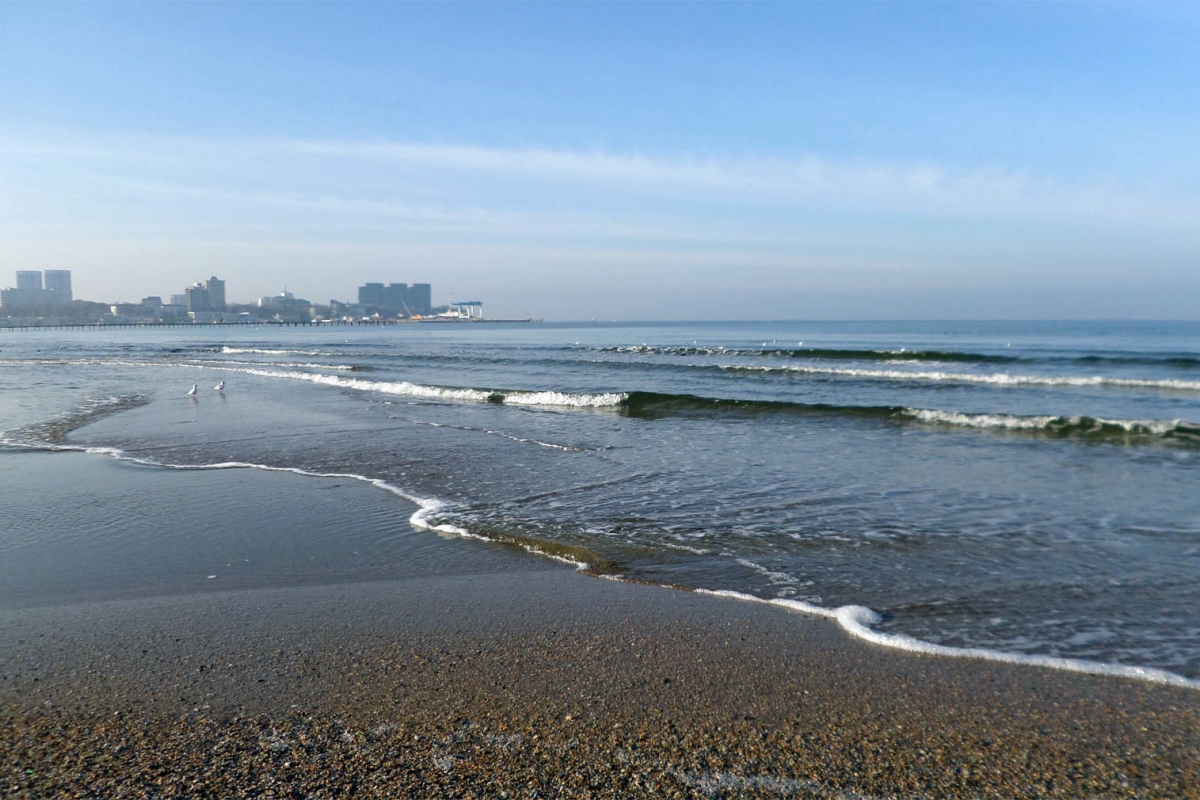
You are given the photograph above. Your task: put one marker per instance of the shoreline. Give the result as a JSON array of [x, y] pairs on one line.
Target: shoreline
[[473, 684], [855, 621]]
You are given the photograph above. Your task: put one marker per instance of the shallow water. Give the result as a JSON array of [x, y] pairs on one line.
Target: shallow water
[[1027, 488]]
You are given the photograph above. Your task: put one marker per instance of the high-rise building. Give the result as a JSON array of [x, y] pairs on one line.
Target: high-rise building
[[420, 298], [29, 279], [371, 295], [197, 297], [59, 282], [216, 293]]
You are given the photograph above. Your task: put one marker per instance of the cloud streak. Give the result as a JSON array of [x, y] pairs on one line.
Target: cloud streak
[[473, 177]]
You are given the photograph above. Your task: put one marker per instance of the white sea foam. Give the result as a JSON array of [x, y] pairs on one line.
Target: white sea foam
[[981, 420], [987, 378], [567, 399], [404, 388], [226, 363], [1156, 427], [858, 621], [423, 517], [269, 352], [426, 506], [409, 389], [773, 576], [302, 365], [501, 434]]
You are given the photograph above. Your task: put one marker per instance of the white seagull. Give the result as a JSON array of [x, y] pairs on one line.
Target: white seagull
[[192, 391], [220, 387]]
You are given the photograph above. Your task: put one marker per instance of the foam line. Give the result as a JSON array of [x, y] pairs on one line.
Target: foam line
[[406, 388], [426, 506], [502, 435], [989, 378], [210, 363], [858, 622], [1080, 424], [269, 352]]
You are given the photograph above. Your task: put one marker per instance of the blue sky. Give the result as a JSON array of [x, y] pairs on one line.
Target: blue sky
[[614, 160]]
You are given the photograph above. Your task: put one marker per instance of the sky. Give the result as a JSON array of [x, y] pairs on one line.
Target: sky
[[614, 160]]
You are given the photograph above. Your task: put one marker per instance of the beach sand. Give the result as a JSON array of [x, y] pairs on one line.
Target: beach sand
[[546, 683]]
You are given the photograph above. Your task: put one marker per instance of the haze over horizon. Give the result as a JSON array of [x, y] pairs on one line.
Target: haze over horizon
[[613, 160]]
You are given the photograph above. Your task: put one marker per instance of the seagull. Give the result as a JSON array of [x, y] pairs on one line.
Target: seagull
[[192, 391], [220, 387]]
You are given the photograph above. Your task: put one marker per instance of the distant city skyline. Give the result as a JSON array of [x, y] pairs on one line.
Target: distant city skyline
[[628, 161], [35, 288]]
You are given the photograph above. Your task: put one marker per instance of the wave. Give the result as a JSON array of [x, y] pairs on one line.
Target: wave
[[461, 394], [210, 363], [425, 517], [988, 378], [902, 354], [657, 405], [1177, 360], [1083, 426], [653, 405], [859, 622], [55, 429], [262, 351]]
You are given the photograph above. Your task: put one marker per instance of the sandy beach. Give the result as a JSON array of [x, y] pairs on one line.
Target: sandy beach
[[536, 682]]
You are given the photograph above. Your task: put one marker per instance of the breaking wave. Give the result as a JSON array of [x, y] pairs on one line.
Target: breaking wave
[[1168, 359], [987, 378], [657, 405], [461, 394], [262, 351], [652, 405], [901, 354]]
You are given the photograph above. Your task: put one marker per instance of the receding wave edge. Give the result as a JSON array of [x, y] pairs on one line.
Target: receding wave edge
[[858, 621]]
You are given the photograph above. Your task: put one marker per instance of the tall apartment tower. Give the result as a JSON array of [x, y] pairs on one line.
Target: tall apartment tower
[[216, 293], [29, 279], [59, 282], [420, 298], [371, 294], [197, 298]]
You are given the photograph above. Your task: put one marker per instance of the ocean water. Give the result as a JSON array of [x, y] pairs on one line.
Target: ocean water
[[1027, 491]]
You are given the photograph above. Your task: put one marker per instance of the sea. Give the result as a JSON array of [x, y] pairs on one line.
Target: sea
[[1020, 491]]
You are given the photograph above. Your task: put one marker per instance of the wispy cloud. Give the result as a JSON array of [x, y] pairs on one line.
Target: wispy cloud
[[476, 185]]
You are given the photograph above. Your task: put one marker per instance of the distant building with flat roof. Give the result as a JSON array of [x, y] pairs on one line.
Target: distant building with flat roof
[[197, 298], [59, 282], [29, 279], [396, 298], [216, 293]]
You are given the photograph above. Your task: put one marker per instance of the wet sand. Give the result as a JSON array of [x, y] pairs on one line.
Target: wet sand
[[524, 681]]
